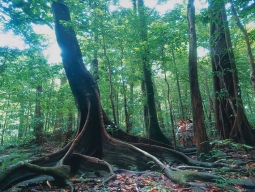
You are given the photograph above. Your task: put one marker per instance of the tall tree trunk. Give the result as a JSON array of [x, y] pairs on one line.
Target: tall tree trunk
[[231, 121], [94, 62], [207, 90], [170, 105], [158, 108], [21, 119], [211, 109], [177, 83], [124, 88], [145, 110], [27, 118], [116, 102], [111, 96], [201, 138], [155, 132], [6, 119], [169, 101], [38, 117], [247, 41]]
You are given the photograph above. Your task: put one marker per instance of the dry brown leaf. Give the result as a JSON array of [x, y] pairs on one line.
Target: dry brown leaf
[[180, 186], [73, 178], [129, 187], [153, 190], [251, 164]]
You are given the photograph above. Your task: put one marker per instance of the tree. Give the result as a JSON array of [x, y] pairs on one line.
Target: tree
[[154, 130], [247, 41], [38, 125], [93, 146], [231, 121], [196, 101]]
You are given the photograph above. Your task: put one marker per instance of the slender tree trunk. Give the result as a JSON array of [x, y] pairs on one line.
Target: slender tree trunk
[[27, 118], [211, 109], [207, 90], [131, 102], [177, 83], [154, 129], [145, 111], [94, 62], [247, 41], [21, 119], [38, 118], [116, 102], [6, 118], [158, 108], [249, 103], [201, 138], [124, 88], [111, 96], [170, 105]]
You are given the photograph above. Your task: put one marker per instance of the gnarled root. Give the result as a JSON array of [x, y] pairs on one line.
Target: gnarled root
[[126, 155], [9, 175]]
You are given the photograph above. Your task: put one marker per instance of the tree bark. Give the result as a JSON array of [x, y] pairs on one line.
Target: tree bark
[[231, 121], [201, 138], [154, 130], [247, 41]]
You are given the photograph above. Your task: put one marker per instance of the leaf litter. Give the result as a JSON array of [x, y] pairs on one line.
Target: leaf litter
[[151, 181]]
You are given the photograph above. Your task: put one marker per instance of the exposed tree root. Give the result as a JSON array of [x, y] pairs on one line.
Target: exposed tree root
[[118, 153], [184, 167], [7, 176], [144, 160], [171, 156], [121, 154]]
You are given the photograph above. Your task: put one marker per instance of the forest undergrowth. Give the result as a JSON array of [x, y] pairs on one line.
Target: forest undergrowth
[[240, 159]]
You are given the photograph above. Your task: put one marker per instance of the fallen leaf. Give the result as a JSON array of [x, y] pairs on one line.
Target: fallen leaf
[[251, 164], [153, 190], [48, 183]]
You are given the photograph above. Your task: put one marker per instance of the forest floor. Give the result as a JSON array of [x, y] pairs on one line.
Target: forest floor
[[146, 181]]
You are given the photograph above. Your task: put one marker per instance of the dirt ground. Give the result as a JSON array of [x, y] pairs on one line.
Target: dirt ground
[[242, 162]]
